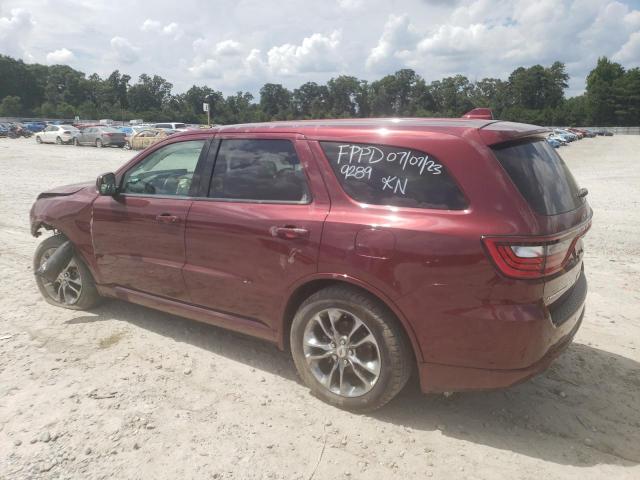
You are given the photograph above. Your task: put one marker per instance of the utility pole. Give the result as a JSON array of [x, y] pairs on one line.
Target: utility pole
[[205, 107]]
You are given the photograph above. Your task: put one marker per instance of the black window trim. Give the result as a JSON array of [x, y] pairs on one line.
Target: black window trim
[[466, 209], [194, 190], [213, 153]]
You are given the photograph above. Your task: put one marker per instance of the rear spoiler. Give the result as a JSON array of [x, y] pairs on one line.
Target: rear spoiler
[[497, 131], [501, 132]]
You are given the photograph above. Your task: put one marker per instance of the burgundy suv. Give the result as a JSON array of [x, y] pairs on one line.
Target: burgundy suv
[[366, 247]]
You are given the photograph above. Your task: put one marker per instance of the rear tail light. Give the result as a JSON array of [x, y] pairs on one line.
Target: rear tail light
[[533, 257], [66, 132]]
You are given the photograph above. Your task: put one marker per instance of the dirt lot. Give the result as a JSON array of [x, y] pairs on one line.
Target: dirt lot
[[128, 392]]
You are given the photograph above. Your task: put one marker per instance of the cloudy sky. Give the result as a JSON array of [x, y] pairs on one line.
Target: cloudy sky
[[242, 44]]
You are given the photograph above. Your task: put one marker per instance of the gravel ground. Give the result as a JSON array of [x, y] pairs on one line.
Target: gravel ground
[[128, 392]]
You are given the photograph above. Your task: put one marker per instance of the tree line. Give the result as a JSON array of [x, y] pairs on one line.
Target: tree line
[[533, 95]]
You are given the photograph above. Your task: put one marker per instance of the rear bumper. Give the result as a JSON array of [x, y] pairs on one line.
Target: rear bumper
[[110, 142], [436, 377]]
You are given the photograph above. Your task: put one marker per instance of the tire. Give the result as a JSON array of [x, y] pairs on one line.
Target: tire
[[38, 139], [99, 143], [58, 141], [88, 295], [387, 352]]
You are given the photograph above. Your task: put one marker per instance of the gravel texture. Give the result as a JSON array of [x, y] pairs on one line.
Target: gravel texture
[[128, 392]]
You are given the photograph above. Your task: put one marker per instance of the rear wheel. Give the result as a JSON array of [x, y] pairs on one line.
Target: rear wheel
[[99, 143], [349, 349], [74, 288], [58, 141], [38, 139]]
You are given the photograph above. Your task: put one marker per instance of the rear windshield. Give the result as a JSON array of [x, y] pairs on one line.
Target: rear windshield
[[541, 176], [109, 130]]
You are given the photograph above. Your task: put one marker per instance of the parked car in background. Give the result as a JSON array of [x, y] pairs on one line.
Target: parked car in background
[[35, 127], [146, 137], [4, 130], [369, 248], [60, 134], [131, 130], [561, 139], [100, 137], [555, 143], [571, 137], [173, 126]]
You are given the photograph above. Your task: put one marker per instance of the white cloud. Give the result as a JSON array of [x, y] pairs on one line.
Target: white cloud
[[151, 26], [60, 56], [154, 26], [350, 4], [228, 48], [124, 51], [317, 53], [258, 43], [14, 29], [398, 38], [629, 54]]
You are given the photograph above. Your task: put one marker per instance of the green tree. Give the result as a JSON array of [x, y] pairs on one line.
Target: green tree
[[11, 106], [452, 95], [310, 100], [346, 97], [149, 94], [275, 101], [600, 91]]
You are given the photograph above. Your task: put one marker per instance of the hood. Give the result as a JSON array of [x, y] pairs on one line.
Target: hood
[[66, 189]]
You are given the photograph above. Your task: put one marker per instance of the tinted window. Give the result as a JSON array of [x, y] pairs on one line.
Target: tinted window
[[541, 176], [260, 170], [383, 175], [167, 171], [180, 125]]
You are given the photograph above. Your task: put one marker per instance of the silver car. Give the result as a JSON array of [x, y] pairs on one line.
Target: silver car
[[100, 137]]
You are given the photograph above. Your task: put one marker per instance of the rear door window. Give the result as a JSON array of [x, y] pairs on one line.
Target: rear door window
[[541, 175], [262, 170], [385, 175]]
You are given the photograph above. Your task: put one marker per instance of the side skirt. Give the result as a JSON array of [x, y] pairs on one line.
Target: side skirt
[[204, 315]]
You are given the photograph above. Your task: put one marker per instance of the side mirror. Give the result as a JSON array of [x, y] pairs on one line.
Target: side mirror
[[106, 184]]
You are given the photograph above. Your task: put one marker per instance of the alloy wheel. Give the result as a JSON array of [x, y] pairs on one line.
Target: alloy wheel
[[67, 288], [341, 352]]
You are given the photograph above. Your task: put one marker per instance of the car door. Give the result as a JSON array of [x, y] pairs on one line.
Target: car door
[[138, 234], [258, 230], [49, 134], [84, 136]]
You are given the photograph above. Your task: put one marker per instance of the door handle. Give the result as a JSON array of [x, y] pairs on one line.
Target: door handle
[[289, 232], [167, 218]]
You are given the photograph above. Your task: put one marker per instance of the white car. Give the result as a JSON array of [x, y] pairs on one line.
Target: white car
[[174, 126], [57, 134]]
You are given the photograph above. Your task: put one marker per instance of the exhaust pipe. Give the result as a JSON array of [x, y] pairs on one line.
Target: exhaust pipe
[[57, 262]]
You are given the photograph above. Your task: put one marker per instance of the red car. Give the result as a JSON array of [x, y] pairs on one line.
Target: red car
[[368, 247]]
